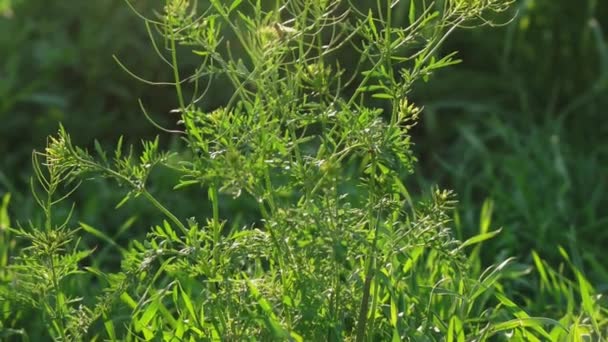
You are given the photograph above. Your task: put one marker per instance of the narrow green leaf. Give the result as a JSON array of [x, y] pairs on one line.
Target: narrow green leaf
[[109, 325], [383, 96], [528, 322], [234, 5], [586, 296], [486, 216], [372, 25], [127, 299], [183, 184], [96, 232], [412, 12], [148, 315], [188, 303], [541, 269], [124, 200], [100, 152], [480, 238], [455, 330], [4, 218]]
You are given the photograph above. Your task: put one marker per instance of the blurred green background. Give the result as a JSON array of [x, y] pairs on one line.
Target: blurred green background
[[521, 122]]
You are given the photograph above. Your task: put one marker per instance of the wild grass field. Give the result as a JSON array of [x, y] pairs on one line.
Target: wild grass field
[[303, 170]]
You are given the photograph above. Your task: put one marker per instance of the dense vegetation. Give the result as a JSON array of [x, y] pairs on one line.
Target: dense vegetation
[[291, 191]]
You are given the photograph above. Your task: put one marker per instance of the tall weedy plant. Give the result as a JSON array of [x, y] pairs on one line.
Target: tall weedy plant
[[315, 133]]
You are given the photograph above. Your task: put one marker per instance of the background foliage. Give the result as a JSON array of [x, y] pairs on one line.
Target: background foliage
[[518, 130]]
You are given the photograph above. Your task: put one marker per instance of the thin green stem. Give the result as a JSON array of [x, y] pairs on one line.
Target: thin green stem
[[140, 189], [216, 210], [217, 227], [165, 211], [371, 258], [388, 55], [280, 260], [335, 302], [47, 211], [58, 306], [178, 86], [58, 316], [279, 249], [269, 189]]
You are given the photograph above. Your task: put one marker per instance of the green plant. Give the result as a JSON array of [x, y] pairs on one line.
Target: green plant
[[579, 305], [340, 251]]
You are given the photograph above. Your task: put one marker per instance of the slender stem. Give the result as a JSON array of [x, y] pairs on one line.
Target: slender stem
[[280, 260], [374, 303], [58, 316], [165, 211], [436, 46], [299, 158], [394, 106], [217, 227], [216, 209], [269, 189], [47, 211], [388, 58], [371, 261], [178, 85], [335, 301], [146, 194], [363, 82], [58, 306], [275, 240]]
